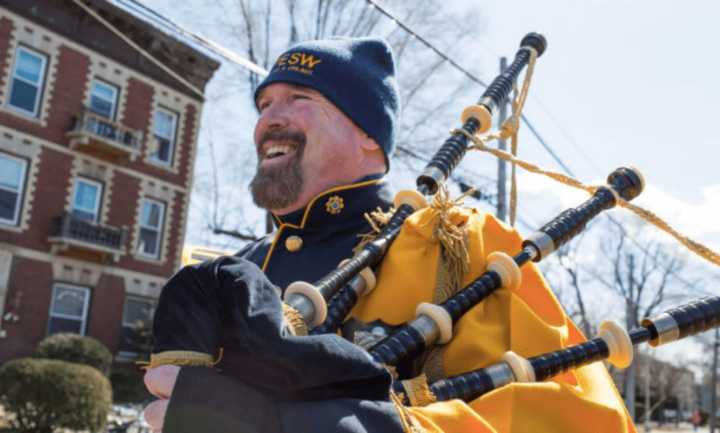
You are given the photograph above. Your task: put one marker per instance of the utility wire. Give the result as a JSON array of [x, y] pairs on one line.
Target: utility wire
[[373, 4], [568, 137]]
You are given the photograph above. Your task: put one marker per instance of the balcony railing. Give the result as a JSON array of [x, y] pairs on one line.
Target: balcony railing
[[71, 232], [91, 129]]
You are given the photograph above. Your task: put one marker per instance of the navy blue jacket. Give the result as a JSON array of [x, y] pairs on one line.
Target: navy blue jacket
[[269, 381], [328, 229]]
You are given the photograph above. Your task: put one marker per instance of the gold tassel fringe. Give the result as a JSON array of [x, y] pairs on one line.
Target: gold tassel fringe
[[294, 319]]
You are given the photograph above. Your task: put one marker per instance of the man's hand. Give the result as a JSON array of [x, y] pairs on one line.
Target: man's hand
[[160, 381]]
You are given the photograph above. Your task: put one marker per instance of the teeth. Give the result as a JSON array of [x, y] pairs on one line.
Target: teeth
[[276, 150]]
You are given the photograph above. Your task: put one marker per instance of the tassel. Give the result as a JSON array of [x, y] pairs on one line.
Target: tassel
[[453, 240]]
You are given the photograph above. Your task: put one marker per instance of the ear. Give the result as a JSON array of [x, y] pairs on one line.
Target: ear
[[368, 143]]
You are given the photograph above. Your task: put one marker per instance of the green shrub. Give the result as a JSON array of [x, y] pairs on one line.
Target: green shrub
[[128, 385], [76, 348], [43, 395]]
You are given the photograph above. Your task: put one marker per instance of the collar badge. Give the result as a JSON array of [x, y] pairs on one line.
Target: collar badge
[[334, 205]]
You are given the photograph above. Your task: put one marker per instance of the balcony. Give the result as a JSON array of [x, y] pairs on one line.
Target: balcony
[[70, 234], [100, 134]]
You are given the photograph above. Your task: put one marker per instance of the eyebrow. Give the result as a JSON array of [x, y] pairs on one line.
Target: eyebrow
[[294, 87]]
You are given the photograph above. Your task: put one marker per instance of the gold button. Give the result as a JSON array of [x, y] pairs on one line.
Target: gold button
[[293, 243]]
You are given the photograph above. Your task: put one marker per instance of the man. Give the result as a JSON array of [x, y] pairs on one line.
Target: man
[[328, 112], [327, 121]]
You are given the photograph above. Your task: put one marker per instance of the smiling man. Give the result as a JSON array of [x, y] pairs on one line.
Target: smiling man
[[328, 114], [327, 118]]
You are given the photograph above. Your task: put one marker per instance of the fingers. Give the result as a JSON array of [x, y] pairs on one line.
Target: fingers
[[155, 414], [160, 381]]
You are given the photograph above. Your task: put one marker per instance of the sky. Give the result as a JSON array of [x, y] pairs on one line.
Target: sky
[[621, 83], [625, 83]]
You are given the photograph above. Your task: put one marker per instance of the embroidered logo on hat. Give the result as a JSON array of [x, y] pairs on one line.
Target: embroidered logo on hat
[[334, 205], [303, 63]]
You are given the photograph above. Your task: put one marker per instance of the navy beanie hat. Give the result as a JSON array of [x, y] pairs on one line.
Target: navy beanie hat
[[355, 74]]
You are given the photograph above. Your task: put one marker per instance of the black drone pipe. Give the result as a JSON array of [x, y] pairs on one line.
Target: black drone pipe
[[310, 300], [614, 344], [434, 323]]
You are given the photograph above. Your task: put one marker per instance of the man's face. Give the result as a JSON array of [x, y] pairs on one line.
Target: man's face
[[305, 145]]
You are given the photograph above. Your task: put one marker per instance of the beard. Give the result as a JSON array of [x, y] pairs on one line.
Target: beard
[[279, 185]]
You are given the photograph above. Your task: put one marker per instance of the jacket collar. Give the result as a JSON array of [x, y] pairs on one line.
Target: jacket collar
[[340, 205]]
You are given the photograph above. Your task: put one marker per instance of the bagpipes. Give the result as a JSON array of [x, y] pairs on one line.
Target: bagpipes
[[324, 305], [613, 344]]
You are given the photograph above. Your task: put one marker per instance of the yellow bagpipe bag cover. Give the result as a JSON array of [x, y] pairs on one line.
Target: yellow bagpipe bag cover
[[528, 321]]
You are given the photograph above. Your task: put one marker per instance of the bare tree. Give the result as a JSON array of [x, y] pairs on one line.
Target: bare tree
[[640, 270], [663, 382], [570, 282]]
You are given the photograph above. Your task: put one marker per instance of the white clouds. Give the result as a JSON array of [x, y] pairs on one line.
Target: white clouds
[[699, 219]]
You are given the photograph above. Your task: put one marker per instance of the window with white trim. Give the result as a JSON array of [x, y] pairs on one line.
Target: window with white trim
[[164, 128], [68, 309], [152, 213], [87, 198], [12, 183], [137, 323], [103, 99], [27, 80]]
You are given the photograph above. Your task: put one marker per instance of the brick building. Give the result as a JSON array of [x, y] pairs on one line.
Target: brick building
[[97, 145]]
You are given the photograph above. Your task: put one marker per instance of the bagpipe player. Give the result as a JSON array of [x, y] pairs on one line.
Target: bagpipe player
[[328, 114]]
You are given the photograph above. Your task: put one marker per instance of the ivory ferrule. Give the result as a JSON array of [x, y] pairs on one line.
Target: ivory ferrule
[[411, 198], [308, 301], [441, 318], [620, 348], [521, 368], [505, 266]]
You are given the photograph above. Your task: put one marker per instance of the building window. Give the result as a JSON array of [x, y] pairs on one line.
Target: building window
[[137, 324], [86, 200], [164, 126], [103, 99], [69, 309], [151, 227], [27, 81], [12, 182]]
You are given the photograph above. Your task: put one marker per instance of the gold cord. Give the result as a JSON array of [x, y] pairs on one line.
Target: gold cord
[[295, 321], [418, 391], [511, 126], [480, 143], [409, 423], [377, 220], [182, 358]]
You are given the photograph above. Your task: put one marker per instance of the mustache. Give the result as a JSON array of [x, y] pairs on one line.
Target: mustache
[[296, 137]]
